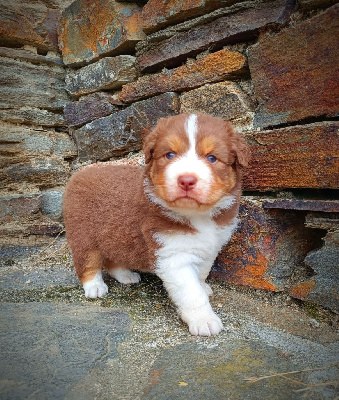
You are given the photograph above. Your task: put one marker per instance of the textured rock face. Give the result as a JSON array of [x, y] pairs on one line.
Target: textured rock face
[[266, 250], [296, 157], [239, 26], [92, 29], [25, 84], [33, 23], [213, 67], [89, 108], [224, 100], [33, 158], [122, 132], [107, 73], [157, 13], [295, 72], [323, 286]]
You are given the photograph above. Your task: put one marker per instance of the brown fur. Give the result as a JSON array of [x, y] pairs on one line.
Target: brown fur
[[107, 212], [109, 220]]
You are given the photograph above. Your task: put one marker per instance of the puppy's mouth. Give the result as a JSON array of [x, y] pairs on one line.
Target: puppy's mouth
[[187, 200]]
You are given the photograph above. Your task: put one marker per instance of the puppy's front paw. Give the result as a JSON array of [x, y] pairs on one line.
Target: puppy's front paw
[[95, 288], [205, 325]]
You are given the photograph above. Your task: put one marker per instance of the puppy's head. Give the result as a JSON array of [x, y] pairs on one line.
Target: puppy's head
[[193, 160]]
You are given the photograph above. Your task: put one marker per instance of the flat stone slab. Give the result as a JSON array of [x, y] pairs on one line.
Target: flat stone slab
[[123, 131], [302, 156], [87, 33], [238, 26], [291, 81], [50, 349], [107, 73], [132, 345], [214, 67]]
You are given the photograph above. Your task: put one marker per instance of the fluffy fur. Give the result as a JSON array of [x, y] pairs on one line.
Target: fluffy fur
[[171, 217]]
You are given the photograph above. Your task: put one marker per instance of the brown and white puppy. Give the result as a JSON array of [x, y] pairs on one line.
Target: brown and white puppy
[[171, 217]]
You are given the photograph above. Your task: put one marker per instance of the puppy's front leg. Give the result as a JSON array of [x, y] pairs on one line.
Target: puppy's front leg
[[182, 283]]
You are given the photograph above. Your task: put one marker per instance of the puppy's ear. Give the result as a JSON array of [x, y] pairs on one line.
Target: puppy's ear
[[149, 145], [239, 148]]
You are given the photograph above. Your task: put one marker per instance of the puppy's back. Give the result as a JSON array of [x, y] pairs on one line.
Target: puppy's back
[[102, 209]]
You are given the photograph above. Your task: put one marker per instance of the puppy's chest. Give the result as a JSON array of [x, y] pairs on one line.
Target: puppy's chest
[[205, 243]]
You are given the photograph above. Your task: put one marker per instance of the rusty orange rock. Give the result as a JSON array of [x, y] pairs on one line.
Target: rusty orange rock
[[304, 156], [91, 29], [295, 72], [29, 23], [266, 249], [302, 290], [211, 68]]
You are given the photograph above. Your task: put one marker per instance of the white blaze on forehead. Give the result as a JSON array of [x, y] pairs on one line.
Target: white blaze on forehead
[[191, 130], [190, 163]]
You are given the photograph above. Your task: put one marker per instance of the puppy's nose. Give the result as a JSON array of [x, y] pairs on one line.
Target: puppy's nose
[[187, 182]]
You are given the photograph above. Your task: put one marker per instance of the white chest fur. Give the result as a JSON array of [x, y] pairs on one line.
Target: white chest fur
[[197, 248], [184, 261]]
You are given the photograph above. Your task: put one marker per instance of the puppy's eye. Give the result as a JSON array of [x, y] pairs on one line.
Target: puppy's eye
[[211, 158], [170, 155]]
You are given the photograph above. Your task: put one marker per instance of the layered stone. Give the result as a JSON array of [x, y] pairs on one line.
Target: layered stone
[[89, 108], [157, 14], [32, 23], [211, 68], [90, 30], [30, 54], [224, 100], [34, 116], [123, 131], [267, 249], [107, 73], [24, 84], [33, 158], [19, 205], [295, 72], [238, 26], [304, 156], [323, 287]]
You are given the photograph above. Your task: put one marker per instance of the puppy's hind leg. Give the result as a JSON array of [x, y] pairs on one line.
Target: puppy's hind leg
[[124, 276], [91, 276]]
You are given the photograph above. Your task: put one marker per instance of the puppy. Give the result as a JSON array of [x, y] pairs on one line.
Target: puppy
[[171, 217]]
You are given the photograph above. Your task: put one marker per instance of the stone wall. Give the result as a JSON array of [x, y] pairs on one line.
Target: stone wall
[[270, 67]]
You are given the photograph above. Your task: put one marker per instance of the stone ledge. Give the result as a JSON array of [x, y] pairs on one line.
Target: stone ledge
[[294, 73], [106, 28], [107, 73], [211, 68], [123, 131], [239, 26], [303, 156]]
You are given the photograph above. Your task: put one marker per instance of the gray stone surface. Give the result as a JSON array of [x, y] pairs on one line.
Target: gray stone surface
[[132, 345], [50, 348], [122, 132], [33, 116], [51, 203], [89, 108], [23, 142], [224, 100], [24, 84], [324, 263], [107, 73]]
